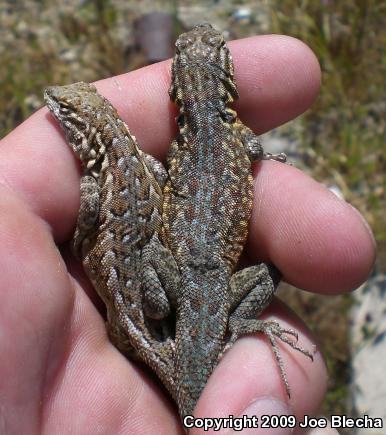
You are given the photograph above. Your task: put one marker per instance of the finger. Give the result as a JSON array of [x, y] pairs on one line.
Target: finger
[[247, 380], [39, 166], [267, 71], [318, 241]]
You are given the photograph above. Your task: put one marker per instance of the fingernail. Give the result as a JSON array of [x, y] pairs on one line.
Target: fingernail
[[273, 417]]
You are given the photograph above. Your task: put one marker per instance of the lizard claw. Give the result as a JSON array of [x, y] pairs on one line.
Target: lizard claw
[[274, 328], [281, 157]]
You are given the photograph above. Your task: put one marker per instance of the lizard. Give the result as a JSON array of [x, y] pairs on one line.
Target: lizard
[[119, 222], [207, 205], [212, 301]]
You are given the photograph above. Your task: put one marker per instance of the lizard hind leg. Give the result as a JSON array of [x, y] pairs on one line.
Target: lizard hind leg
[[252, 290], [160, 280]]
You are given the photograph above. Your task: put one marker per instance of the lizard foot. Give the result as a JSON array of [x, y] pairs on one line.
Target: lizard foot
[[271, 329]]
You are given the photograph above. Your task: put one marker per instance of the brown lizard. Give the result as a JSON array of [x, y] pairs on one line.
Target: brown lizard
[[207, 205], [119, 222]]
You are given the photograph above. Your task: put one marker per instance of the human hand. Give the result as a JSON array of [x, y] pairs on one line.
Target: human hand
[[58, 370]]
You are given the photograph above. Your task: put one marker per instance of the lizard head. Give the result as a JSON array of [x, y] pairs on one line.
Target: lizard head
[[202, 54], [79, 109]]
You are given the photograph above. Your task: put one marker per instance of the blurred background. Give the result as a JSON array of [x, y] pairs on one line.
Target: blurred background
[[340, 141]]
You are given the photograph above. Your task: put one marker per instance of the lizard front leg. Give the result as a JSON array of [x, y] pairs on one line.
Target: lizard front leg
[[253, 146], [251, 291], [87, 216]]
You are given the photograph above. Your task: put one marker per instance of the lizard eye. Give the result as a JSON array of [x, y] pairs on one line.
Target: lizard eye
[[181, 44], [214, 40], [64, 110]]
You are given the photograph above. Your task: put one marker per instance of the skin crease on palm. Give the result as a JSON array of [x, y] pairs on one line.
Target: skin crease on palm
[[58, 370]]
